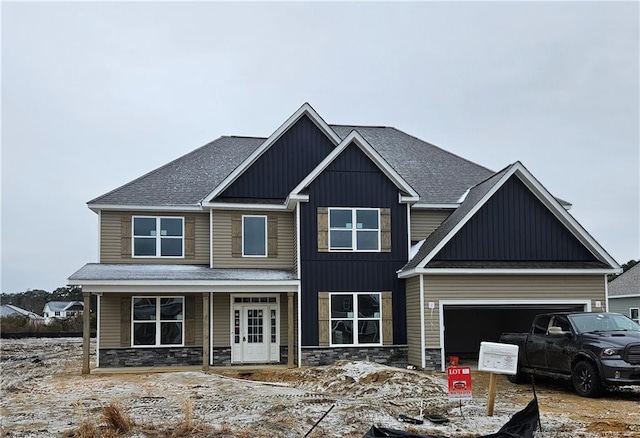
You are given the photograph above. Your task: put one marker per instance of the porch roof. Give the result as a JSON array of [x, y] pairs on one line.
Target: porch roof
[[92, 273]]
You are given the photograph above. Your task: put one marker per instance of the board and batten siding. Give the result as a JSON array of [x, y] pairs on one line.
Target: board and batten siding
[[506, 287], [111, 240], [414, 337], [222, 242], [424, 222], [110, 313]]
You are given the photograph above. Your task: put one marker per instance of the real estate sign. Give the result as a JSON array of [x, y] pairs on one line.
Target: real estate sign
[[459, 383]]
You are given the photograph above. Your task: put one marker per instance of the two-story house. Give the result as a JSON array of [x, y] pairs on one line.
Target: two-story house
[[326, 242], [59, 310]]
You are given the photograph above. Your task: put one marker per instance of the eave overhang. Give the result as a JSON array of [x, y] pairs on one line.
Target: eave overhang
[[479, 271], [131, 207]]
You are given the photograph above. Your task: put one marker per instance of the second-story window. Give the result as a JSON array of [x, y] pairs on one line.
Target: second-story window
[[158, 236], [354, 229], [254, 236]]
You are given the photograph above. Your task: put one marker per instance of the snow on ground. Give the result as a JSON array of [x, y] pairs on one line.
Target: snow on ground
[[43, 394]]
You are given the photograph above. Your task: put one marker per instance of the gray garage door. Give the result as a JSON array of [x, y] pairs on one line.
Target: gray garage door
[[467, 326]]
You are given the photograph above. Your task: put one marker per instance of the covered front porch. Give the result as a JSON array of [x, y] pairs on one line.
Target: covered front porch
[[167, 316]]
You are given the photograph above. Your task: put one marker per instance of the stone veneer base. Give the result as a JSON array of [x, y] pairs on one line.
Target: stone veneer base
[[393, 356], [149, 357]]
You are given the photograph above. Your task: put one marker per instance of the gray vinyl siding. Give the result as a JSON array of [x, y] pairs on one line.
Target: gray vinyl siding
[[622, 305], [222, 242], [221, 320], [506, 287], [110, 239], [110, 318], [414, 339], [423, 222]]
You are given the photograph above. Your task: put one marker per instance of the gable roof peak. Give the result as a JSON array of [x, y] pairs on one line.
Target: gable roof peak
[[356, 137], [305, 110]]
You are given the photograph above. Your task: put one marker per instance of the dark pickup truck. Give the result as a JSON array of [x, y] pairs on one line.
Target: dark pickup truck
[[593, 350]]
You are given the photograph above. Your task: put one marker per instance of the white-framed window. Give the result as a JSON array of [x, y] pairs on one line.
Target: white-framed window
[[634, 313], [254, 236], [158, 236], [157, 321], [354, 229], [355, 318]]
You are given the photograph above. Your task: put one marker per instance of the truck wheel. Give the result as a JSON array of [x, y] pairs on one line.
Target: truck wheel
[[586, 380]]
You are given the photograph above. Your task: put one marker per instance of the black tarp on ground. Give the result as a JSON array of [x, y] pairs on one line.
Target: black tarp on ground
[[522, 425]]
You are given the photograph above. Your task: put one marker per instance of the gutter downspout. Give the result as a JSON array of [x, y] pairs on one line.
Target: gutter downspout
[[423, 358], [299, 268]]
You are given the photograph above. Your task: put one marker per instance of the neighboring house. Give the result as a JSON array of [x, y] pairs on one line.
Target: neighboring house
[[624, 294], [327, 242], [11, 310], [58, 310]]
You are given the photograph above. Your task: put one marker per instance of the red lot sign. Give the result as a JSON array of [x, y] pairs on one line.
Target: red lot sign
[[459, 379]]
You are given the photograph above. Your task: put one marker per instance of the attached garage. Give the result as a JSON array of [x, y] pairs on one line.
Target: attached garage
[[508, 252], [467, 324]]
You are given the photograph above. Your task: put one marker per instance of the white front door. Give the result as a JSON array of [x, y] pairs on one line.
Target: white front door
[[255, 336], [255, 329]]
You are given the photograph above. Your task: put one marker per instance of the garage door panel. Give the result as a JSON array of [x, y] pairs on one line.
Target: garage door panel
[[466, 326]]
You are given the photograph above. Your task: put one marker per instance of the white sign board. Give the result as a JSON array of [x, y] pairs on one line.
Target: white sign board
[[498, 358]]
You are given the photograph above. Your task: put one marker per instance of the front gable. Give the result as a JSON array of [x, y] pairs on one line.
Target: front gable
[[514, 225], [353, 180], [284, 164], [507, 224]]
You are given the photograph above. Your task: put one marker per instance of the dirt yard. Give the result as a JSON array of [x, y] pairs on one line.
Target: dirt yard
[[43, 395]]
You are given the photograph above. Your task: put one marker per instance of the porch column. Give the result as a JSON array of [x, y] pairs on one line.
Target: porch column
[[290, 327], [205, 331], [86, 331]]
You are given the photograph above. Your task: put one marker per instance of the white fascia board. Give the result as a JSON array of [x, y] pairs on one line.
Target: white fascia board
[[407, 199], [305, 109], [182, 287], [562, 214], [612, 297], [186, 208], [496, 271], [355, 137], [241, 206], [426, 206]]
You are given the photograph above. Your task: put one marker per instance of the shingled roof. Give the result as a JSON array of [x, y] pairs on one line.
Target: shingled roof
[[626, 284], [438, 176]]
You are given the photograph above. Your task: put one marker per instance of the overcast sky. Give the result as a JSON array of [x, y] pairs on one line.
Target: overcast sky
[[97, 94]]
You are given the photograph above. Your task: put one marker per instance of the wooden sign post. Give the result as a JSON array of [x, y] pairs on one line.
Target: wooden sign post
[[491, 399], [497, 359]]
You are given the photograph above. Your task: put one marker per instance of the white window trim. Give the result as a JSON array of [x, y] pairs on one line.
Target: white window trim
[[354, 230], [636, 309], [355, 319], [157, 237], [266, 236], [157, 321]]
